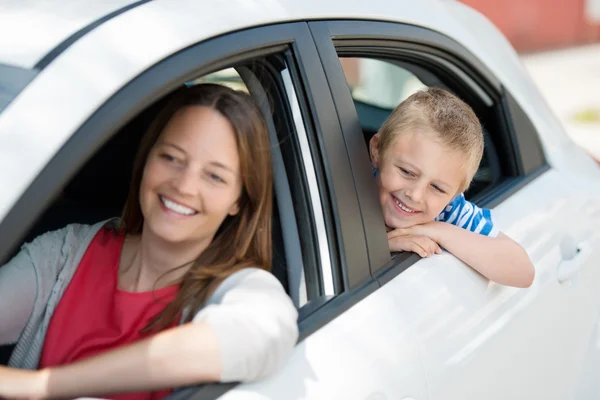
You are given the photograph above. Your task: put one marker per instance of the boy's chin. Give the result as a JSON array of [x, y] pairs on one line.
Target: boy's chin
[[394, 224]]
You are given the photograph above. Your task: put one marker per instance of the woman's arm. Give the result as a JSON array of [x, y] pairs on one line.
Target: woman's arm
[[256, 325], [246, 332], [179, 356], [499, 259]]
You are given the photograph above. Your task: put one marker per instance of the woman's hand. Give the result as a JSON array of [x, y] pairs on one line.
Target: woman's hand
[[22, 384], [415, 239]]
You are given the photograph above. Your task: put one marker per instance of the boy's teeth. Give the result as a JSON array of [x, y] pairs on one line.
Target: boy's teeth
[[178, 208], [404, 208]]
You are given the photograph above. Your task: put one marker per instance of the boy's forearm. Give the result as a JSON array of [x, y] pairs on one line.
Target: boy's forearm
[[499, 259]]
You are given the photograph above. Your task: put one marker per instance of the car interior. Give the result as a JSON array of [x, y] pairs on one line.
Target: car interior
[[99, 190]]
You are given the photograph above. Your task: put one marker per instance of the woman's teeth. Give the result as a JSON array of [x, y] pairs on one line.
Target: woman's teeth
[[178, 208]]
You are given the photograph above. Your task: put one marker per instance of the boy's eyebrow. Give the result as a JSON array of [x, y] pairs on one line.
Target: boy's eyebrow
[[407, 164], [440, 182]]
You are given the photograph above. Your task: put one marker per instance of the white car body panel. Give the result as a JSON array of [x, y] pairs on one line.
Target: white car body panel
[[438, 330], [29, 29], [359, 355], [483, 340]]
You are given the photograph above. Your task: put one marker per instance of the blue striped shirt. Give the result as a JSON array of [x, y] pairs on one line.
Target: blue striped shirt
[[464, 214]]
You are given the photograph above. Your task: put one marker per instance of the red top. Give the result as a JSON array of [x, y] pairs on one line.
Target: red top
[[94, 316]]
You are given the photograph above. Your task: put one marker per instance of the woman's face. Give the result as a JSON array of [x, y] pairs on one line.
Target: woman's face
[[191, 180]]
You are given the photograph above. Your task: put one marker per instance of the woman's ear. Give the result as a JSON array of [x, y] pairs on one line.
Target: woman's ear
[[235, 208], [374, 150]]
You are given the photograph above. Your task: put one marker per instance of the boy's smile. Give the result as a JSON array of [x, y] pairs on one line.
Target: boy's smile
[[417, 177]]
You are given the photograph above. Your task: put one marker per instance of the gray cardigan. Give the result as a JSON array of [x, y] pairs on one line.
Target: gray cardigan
[[253, 317]]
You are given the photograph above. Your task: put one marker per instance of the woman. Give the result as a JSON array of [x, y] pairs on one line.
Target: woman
[[178, 292]]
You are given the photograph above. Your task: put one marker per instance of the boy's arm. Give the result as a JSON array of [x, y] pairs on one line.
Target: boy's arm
[[499, 258]]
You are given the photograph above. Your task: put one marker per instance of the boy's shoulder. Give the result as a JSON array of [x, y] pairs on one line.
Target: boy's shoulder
[[465, 214], [457, 203]]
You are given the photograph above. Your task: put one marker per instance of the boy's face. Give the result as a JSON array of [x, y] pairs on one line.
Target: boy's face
[[417, 177]]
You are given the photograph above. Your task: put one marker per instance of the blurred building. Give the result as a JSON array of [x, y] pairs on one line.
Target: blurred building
[[533, 25]]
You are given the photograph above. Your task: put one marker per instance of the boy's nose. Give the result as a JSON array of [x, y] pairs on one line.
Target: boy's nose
[[415, 193]]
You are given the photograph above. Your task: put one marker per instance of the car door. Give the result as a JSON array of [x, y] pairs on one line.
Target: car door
[[345, 350], [479, 339]]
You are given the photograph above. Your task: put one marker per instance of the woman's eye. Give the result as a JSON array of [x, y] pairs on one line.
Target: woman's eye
[[216, 178], [168, 157]]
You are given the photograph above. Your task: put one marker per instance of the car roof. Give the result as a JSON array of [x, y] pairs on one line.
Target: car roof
[[32, 29]]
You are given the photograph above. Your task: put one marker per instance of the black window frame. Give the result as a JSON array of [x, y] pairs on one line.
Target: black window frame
[[521, 137]]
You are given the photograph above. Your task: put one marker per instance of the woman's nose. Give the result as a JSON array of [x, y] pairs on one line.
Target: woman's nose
[[186, 182]]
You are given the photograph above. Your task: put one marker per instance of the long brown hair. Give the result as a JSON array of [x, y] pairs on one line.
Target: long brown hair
[[242, 240]]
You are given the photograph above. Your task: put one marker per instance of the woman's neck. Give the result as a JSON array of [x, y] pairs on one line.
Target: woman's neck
[[149, 262]]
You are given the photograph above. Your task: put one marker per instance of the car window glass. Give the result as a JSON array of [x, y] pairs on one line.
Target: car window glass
[[379, 83], [226, 77]]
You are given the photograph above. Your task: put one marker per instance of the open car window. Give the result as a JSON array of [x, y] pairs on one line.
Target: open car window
[[379, 85]]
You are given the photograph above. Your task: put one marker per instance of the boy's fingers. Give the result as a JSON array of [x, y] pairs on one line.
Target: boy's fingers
[[415, 248], [404, 243], [426, 244], [421, 243]]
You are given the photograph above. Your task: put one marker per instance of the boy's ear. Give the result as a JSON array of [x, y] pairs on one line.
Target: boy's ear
[[374, 150]]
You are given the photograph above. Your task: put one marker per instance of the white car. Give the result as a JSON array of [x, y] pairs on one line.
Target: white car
[[79, 82]]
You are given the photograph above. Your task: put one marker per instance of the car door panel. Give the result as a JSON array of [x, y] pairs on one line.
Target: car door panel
[[483, 340], [367, 353]]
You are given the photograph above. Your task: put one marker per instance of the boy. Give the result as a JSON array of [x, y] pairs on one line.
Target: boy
[[425, 156]]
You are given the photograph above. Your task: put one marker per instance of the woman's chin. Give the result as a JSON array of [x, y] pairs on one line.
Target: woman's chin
[[168, 234]]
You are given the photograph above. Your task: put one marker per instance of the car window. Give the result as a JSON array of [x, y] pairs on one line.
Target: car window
[[379, 83], [378, 86], [227, 77]]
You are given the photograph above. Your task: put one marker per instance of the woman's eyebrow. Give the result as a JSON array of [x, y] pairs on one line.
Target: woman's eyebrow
[[169, 144], [221, 165]]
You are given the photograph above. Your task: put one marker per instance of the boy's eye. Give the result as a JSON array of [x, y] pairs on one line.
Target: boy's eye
[[439, 189], [406, 172]]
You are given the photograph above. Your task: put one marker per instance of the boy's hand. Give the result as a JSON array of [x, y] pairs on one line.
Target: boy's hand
[[416, 239]]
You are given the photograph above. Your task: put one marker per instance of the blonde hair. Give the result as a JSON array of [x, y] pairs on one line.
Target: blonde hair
[[451, 119]]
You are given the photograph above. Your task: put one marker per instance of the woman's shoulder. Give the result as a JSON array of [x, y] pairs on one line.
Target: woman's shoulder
[[72, 236]]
